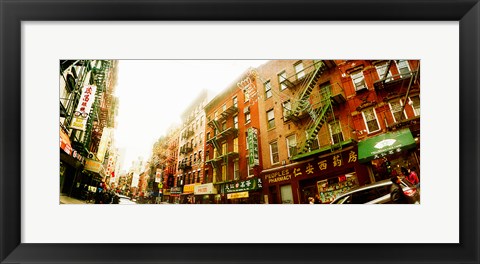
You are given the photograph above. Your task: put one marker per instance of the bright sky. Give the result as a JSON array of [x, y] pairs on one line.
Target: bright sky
[[154, 93]]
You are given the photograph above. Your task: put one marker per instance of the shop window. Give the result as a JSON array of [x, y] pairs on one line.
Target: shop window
[[287, 108], [281, 78], [270, 119], [292, 145], [396, 108], [403, 68], [274, 158], [381, 69], [336, 132], [358, 81], [371, 121], [268, 89], [286, 194], [299, 72], [414, 101]]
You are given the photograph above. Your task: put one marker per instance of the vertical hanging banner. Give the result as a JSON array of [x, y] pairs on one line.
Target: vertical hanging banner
[[158, 175], [80, 116], [252, 138], [104, 142]]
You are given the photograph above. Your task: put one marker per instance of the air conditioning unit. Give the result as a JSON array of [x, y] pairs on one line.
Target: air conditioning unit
[[246, 110]]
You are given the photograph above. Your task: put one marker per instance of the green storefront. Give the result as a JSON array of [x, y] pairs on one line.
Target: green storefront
[[388, 152]]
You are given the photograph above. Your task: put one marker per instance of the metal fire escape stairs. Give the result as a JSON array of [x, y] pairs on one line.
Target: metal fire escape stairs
[[319, 112]]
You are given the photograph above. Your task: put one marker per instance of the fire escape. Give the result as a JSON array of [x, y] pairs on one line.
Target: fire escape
[[221, 133], [317, 107]]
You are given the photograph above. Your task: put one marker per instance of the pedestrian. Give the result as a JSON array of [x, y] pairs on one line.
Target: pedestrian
[[311, 200], [413, 177], [317, 199], [396, 192]]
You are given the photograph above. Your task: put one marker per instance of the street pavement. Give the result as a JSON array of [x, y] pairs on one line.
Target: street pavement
[[64, 199]]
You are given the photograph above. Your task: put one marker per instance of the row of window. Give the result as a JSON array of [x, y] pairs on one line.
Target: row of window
[[281, 77], [358, 78]]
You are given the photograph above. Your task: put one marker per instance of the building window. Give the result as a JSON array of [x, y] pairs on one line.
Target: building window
[[396, 109], [299, 70], [287, 108], [358, 81], [224, 125], [274, 158], [270, 119], [381, 69], [236, 171], [246, 95], [235, 122], [235, 145], [224, 107], [281, 78], [292, 145], [314, 145], [403, 68], [415, 103], [206, 176], [247, 118], [336, 132], [235, 101], [268, 89], [371, 121], [200, 157], [208, 135], [224, 172], [224, 148]]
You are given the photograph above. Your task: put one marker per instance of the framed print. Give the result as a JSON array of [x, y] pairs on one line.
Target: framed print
[[441, 35]]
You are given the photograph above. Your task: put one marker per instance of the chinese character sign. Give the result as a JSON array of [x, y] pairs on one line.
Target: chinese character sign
[[158, 175], [252, 138], [84, 106]]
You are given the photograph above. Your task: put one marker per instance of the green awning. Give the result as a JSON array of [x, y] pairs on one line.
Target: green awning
[[385, 144]]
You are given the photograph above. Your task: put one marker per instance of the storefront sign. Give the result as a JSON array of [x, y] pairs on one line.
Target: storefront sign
[[252, 141], [385, 144], [237, 195], [247, 185], [93, 165], [65, 143], [176, 190], [166, 192], [190, 188], [84, 106], [205, 189], [312, 168]]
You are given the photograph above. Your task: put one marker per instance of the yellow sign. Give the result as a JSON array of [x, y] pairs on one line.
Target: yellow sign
[[93, 165], [237, 195], [190, 188]]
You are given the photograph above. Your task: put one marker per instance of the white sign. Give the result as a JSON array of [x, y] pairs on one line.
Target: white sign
[[158, 175], [80, 116]]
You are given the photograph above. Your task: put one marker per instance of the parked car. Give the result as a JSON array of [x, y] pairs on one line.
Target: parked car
[[379, 193], [125, 200]]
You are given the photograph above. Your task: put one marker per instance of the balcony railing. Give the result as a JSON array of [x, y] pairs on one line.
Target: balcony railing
[[391, 81], [294, 80], [327, 141]]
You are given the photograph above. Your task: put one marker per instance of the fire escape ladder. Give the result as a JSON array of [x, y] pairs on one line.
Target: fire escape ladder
[[302, 100], [322, 116]]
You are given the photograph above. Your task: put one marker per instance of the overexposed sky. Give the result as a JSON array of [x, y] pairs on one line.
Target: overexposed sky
[[154, 93]]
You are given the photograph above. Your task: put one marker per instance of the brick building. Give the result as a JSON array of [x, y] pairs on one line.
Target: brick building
[[232, 150], [315, 114]]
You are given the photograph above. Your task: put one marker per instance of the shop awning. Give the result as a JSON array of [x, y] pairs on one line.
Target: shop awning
[[385, 144]]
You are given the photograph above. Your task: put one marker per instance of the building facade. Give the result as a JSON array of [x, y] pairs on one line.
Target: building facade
[[315, 114], [232, 159], [191, 151], [87, 109]]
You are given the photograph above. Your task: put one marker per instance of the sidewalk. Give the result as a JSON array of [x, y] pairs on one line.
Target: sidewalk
[[64, 199]]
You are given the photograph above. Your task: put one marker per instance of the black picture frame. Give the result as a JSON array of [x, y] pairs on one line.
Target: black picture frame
[[12, 250]]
